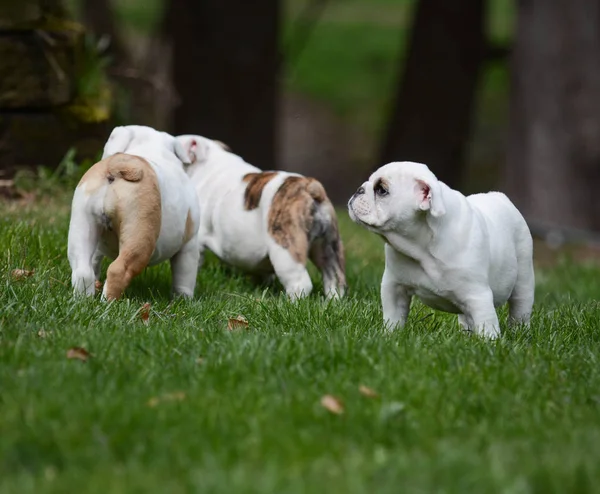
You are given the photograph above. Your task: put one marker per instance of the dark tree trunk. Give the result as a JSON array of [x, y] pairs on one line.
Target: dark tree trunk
[[553, 169], [98, 17], [225, 61], [431, 117]]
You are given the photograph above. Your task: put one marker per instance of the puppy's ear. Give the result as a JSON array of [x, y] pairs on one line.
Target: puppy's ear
[[429, 197], [195, 148], [180, 151], [118, 141]]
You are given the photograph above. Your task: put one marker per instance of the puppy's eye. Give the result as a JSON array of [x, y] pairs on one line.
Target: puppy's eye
[[380, 190]]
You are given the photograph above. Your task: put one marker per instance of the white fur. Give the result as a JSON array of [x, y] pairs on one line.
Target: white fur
[[465, 255], [88, 242], [238, 236]]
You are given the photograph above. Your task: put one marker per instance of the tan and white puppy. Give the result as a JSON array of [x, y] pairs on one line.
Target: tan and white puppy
[[465, 255], [137, 206], [265, 221]]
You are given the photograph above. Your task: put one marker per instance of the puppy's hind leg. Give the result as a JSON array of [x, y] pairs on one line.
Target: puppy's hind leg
[[134, 256], [520, 302], [84, 235], [134, 198], [97, 264], [327, 253], [291, 273], [184, 269]]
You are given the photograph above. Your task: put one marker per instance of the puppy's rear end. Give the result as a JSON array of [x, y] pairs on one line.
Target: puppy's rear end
[[117, 198], [303, 221]]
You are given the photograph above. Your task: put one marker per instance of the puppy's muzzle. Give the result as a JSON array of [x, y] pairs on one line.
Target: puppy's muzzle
[[359, 192]]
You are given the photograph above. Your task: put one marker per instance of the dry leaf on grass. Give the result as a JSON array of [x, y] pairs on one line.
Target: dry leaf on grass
[[237, 323], [368, 392], [145, 313], [175, 396], [21, 274], [98, 285], [333, 404], [78, 353], [42, 333]]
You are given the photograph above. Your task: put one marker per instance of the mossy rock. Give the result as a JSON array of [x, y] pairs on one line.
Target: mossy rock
[[39, 67], [43, 138]]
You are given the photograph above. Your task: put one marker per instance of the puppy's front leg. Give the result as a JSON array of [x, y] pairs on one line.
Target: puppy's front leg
[[479, 308], [184, 268], [395, 301]]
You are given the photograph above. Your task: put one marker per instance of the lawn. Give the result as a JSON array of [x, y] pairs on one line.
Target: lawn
[[182, 404]]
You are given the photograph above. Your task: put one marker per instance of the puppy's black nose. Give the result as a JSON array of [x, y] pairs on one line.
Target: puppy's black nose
[[360, 191]]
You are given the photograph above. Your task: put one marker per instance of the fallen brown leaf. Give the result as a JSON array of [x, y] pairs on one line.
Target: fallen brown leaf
[[332, 404], [175, 396], [78, 353], [21, 274], [145, 313], [368, 392], [237, 323]]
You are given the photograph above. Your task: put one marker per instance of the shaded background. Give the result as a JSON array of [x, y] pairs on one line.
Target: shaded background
[[491, 94]]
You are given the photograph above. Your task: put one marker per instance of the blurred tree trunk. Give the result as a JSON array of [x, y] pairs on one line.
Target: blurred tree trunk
[[99, 18], [225, 61], [431, 117], [553, 169]]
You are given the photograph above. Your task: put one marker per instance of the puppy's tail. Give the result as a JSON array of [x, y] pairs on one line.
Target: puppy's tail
[[123, 166], [316, 190]]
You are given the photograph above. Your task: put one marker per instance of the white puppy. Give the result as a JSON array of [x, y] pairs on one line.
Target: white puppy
[[265, 221], [138, 208], [465, 255]]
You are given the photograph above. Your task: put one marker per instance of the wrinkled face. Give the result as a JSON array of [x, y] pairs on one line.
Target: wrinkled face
[[396, 194]]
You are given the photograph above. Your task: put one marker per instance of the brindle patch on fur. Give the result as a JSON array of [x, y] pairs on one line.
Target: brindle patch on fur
[[292, 214], [254, 189]]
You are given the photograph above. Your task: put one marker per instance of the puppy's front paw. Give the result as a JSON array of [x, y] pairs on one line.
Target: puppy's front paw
[[390, 326]]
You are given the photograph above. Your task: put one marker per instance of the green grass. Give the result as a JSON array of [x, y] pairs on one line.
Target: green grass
[[454, 413]]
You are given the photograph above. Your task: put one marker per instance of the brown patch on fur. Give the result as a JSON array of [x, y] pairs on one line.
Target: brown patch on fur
[[254, 189], [292, 224], [125, 166], [189, 228], [316, 190], [133, 206], [291, 214]]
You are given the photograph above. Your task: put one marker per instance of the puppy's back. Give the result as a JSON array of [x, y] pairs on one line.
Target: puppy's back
[[502, 215]]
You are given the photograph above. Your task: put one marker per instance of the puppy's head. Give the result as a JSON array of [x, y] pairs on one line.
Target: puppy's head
[[200, 149], [136, 138], [395, 195]]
